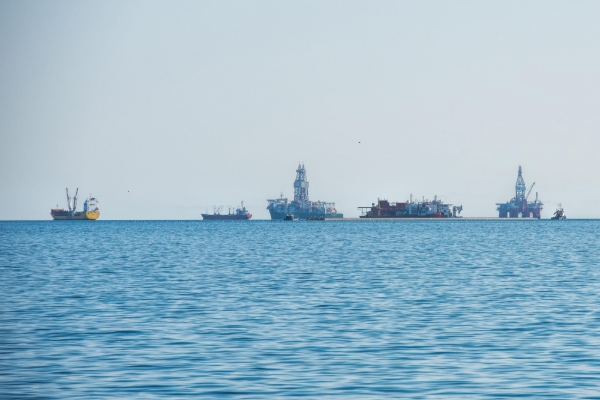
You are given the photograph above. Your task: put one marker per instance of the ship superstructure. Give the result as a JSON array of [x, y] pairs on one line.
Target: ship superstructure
[[91, 211], [240, 213], [301, 207], [411, 209], [519, 206]]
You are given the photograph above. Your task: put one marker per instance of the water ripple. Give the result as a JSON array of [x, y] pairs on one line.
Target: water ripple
[[356, 310]]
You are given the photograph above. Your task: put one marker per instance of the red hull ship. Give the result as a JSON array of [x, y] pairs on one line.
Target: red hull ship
[[411, 209], [240, 214]]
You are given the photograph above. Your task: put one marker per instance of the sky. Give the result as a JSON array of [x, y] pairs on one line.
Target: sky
[[162, 109]]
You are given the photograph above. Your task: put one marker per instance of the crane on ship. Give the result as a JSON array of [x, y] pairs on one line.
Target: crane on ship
[[72, 202]]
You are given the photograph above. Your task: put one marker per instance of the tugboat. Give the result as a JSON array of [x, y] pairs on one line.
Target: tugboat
[[91, 211], [559, 214], [240, 214], [288, 217]]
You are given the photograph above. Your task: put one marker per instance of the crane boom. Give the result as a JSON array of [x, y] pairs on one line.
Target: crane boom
[[75, 200], [529, 191], [68, 200]]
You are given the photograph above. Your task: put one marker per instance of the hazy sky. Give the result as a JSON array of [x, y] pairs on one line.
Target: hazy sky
[[163, 109]]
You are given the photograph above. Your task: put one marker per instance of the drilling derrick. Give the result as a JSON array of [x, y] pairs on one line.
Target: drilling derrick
[[301, 185], [520, 187], [519, 206]]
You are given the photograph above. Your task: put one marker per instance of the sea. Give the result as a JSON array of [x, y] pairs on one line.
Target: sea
[[316, 309]]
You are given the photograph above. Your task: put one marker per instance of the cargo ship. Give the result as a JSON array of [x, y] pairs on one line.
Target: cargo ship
[[91, 211], [301, 207], [240, 214], [411, 209]]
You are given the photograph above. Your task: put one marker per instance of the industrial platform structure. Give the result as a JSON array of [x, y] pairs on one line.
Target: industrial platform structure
[[518, 206], [411, 209], [301, 207]]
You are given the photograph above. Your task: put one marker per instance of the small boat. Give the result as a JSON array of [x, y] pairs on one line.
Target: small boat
[[321, 218], [559, 214], [289, 217]]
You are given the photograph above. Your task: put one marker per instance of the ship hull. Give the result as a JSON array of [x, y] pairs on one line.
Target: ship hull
[[304, 215], [408, 217], [78, 216], [228, 217]]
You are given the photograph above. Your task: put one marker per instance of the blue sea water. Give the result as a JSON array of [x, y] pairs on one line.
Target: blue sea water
[[422, 309]]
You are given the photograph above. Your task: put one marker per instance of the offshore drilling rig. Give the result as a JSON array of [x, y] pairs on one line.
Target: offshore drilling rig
[[301, 206], [518, 205]]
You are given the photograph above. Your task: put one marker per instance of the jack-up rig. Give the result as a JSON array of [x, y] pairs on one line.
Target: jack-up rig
[[518, 205]]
